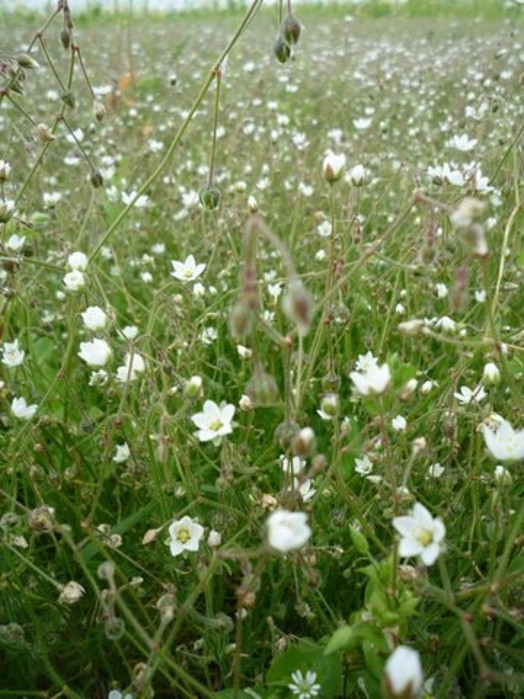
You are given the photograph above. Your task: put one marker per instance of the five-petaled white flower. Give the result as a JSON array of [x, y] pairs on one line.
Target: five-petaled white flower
[[467, 396], [304, 686], [214, 422], [95, 353], [77, 260], [403, 673], [12, 355], [184, 535], [74, 280], [503, 442], [421, 534], [187, 271], [122, 453], [287, 531], [373, 381], [21, 410]]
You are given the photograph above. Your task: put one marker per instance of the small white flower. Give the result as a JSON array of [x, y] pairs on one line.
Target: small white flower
[[5, 169], [94, 318], [214, 422], [214, 539], [134, 365], [467, 396], [503, 442], [447, 325], [435, 470], [421, 534], [184, 535], [463, 143], [244, 352], [187, 271], [295, 465], [399, 423], [304, 686], [287, 531], [364, 466], [77, 260], [12, 355], [365, 362], [116, 694], [95, 353], [21, 410], [374, 381], [74, 280], [15, 243], [403, 673], [358, 176], [122, 453], [98, 378], [502, 476], [324, 229], [129, 332]]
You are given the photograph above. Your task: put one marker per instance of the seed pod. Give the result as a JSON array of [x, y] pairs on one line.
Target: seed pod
[[281, 50], [24, 60], [99, 111], [209, 197], [291, 29]]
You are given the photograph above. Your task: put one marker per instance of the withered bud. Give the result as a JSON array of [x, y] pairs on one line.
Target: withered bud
[[291, 29], [262, 389], [285, 433], [240, 319], [281, 50], [303, 442], [209, 197], [297, 305], [99, 111], [42, 519], [65, 39], [44, 133]]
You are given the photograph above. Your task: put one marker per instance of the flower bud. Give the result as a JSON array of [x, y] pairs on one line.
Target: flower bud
[[252, 204], [297, 304], [281, 50], [24, 60], [214, 539], [5, 169], [193, 387], [358, 176], [304, 442], [403, 674], [209, 197], [42, 519], [7, 209], [65, 38], [333, 167], [491, 375], [96, 179], [291, 29], [330, 404], [68, 99], [245, 404]]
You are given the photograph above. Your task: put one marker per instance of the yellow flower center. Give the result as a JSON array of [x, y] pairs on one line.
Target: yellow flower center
[[183, 535], [425, 537], [216, 424]]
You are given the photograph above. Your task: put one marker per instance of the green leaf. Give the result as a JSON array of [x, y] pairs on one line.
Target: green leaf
[[340, 639]]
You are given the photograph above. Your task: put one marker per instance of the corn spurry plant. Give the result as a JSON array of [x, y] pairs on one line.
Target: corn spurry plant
[[261, 352]]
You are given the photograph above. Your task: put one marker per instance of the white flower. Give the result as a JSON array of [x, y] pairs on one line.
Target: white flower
[[503, 442], [374, 381], [95, 353], [421, 534], [333, 167], [122, 453], [214, 539], [365, 362], [364, 466], [71, 593], [15, 243], [244, 352], [399, 423], [78, 261], [5, 169], [304, 686], [21, 410], [7, 209], [502, 476], [491, 374], [435, 470], [184, 535], [74, 280], [116, 694], [12, 355], [214, 421], [463, 143], [130, 332], [187, 271], [447, 325], [141, 202], [134, 365], [305, 488], [467, 396], [94, 318], [98, 378], [403, 673], [287, 531], [324, 229], [295, 466]]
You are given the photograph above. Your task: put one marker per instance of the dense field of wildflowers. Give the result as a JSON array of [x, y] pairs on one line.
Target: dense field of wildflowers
[[261, 355]]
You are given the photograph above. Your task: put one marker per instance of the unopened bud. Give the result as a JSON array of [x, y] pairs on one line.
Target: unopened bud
[[304, 442], [7, 209], [65, 38], [209, 197], [358, 176], [44, 133], [96, 179], [245, 404], [291, 29], [42, 520], [333, 167], [297, 304], [24, 60], [99, 111], [281, 50], [252, 205], [68, 99], [491, 374], [193, 387]]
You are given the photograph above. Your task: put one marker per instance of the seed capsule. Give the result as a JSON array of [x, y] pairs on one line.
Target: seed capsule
[[209, 197], [281, 50], [291, 29]]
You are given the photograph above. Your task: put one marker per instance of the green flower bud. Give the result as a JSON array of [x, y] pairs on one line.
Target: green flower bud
[[65, 38], [291, 29], [281, 50], [209, 197], [96, 179], [68, 99]]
